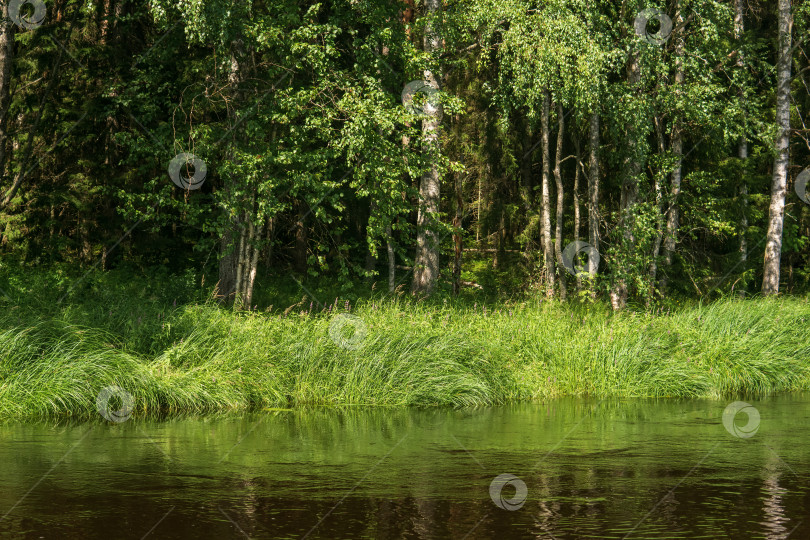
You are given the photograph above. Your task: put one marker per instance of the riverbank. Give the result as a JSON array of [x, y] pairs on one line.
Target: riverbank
[[391, 352]]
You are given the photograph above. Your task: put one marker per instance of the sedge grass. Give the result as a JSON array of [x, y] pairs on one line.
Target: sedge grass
[[200, 358]]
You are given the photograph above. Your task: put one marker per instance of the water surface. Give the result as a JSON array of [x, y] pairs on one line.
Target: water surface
[[592, 469]]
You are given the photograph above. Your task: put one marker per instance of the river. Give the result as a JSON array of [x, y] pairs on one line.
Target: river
[[576, 468]]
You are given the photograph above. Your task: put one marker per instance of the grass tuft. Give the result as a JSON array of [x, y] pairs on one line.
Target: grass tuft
[[200, 358]]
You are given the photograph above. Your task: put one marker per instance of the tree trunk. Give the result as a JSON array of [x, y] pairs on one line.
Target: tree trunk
[[548, 250], [226, 286], [629, 192], [577, 218], [407, 17], [500, 233], [6, 59], [742, 145], [251, 265], [229, 284], [247, 260], [240, 269], [673, 214], [457, 235], [676, 145], [659, 203], [593, 187], [526, 187], [371, 258], [392, 260], [426, 263], [104, 23], [526, 167], [300, 255], [558, 223], [407, 20], [478, 214], [773, 246], [269, 233]]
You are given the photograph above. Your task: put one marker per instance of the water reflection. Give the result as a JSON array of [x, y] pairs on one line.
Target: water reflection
[[775, 519], [612, 469]]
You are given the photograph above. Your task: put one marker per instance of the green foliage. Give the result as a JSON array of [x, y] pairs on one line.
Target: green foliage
[[296, 109]]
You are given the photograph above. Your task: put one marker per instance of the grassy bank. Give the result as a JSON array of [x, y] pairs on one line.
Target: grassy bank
[[197, 357]]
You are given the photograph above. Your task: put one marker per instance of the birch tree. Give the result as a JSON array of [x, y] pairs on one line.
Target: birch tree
[[426, 262], [776, 209]]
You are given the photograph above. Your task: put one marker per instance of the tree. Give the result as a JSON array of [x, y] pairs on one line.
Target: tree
[[548, 249], [593, 186], [676, 147], [631, 174], [295, 107], [558, 231], [776, 210], [426, 262], [6, 60], [742, 144]]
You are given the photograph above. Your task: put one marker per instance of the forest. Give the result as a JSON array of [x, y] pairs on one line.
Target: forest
[[605, 150]]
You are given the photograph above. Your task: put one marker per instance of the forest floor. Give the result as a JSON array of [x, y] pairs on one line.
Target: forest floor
[[164, 343]]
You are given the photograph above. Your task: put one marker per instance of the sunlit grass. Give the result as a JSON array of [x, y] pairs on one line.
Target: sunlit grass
[[203, 358]]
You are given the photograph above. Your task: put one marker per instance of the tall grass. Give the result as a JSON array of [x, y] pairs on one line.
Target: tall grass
[[200, 357]]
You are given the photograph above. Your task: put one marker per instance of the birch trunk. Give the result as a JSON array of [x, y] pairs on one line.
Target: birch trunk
[[742, 145], [548, 250], [426, 263], [526, 185], [558, 223], [659, 203], [407, 20], [226, 286], [577, 223], [230, 245], [593, 187], [773, 246], [251, 265], [371, 259], [240, 269], [629, 193], [457, 238]]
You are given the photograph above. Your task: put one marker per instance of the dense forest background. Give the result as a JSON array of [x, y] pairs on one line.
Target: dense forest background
[[432, 146]]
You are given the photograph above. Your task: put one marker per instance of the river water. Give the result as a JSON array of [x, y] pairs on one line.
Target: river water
[[581, 468]]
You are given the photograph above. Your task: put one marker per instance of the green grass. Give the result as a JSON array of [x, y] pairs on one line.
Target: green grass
[[196, 357]]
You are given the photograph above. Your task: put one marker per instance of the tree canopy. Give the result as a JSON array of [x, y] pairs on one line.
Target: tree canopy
[[270, 137]]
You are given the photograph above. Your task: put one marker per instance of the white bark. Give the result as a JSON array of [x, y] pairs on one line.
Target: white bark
[[773, 246], [742, 145], [577, 217], [593, 187], [629, 194], [548, 250], [426, 263], [659, 201], [558, 223]]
